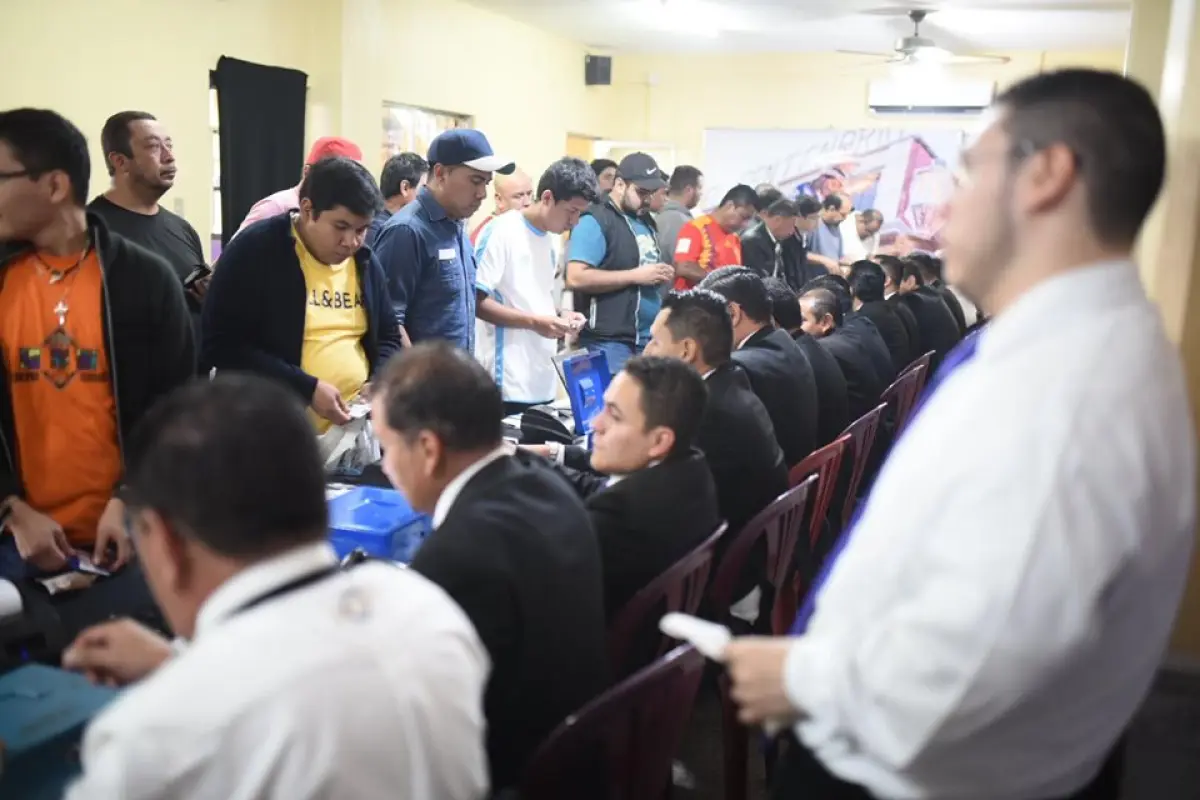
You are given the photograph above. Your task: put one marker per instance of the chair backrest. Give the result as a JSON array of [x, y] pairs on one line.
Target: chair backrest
[[902, 395], [779, 524], [862, 436], [925, 361], [826, 464], [621, 744], [679, 588]]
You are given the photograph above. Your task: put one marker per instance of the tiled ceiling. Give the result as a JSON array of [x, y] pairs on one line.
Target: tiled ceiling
[[964, 26]]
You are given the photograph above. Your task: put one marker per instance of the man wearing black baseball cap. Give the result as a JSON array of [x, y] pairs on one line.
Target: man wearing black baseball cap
[[424, 247], [614, 266]]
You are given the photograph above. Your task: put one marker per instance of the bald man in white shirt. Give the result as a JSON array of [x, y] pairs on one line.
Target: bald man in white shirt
[[993, 640], [298, 681]]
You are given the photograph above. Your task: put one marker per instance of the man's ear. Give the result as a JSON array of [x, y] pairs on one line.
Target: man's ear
[[662, 442]]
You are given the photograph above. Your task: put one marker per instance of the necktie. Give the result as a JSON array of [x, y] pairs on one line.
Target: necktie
[[778, 258], [961, 354]]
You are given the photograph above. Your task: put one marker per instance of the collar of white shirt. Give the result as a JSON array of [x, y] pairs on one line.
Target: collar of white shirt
[[258, 579], [446, 501]]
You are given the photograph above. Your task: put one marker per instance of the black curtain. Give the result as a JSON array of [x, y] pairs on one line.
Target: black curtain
[[261, 113]]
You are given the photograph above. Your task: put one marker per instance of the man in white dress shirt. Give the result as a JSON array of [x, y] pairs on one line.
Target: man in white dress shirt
[[299, 680], [993, 640]]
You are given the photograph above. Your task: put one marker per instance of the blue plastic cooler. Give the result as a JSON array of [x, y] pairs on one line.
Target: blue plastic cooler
[[378, 521]]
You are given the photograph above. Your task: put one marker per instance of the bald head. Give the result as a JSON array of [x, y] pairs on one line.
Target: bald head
[[513, 191]]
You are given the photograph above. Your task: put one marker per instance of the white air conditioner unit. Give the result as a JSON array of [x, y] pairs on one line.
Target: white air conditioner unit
[[932, 96]]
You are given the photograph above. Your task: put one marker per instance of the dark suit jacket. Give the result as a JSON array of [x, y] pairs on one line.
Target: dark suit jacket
[[863, 384], [833, 403], [916, 341], [939, 332], [893, 332], [863, 331], [518, 554], [646, 521], [758, 253], [952, 303], [782, 378]]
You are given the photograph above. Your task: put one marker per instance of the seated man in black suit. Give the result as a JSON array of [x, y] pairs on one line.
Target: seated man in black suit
[[833, 414], [857, 327], [771, 247], [650, 494], [779, 373], [938, 328], [867, 280], [512, 544], [931, 272], [736, 434], [893, 272], [822, 320]]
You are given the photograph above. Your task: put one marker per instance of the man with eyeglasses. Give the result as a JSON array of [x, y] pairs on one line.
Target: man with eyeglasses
[[614, 265]]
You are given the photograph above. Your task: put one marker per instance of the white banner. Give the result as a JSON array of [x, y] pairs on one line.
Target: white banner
[[907, 175]]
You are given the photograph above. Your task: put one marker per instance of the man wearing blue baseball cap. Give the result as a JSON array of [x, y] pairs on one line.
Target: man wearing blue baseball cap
[[424, 247]]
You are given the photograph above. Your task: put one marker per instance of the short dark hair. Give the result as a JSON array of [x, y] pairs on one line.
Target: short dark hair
[[912, 269], [742, 195], [601, 164], [1112, 127], [673, 396], [742, 286], [115, 136], [399, 169], [231, 463], [782, 208], [340, 181], [871, 215], [866, 281], [785, 306], [768, 195], [567, 179], [825, 302], [807, 206], [893, 268], [437, 387], [704, 316], [930, 266], [834, 201], [44, 141], [837, 285], [684, 177]]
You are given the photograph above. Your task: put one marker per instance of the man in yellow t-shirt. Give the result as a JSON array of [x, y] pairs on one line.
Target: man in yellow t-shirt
[[298, 298]]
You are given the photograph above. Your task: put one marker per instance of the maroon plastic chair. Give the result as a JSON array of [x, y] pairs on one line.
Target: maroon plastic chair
[[826, 464], [631, 733], [679, 588], [862, 437], [902, 396], [780, 524], [925, 361]]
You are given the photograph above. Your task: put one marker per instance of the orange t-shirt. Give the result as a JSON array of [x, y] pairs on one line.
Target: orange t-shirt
[[58, 376], [702, 241]]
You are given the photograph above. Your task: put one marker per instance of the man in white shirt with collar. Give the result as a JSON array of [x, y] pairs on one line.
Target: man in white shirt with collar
[[860, 234], [517, 325], [298, 680], [994, 640], [512, 544]]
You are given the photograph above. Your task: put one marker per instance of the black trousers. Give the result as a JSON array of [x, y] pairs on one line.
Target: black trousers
[[800, 776]]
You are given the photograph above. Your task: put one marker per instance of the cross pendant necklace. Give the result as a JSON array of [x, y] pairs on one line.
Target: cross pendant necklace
[[61, 310]]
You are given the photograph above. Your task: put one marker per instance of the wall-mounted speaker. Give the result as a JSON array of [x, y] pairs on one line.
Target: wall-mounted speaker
[[597, 70]]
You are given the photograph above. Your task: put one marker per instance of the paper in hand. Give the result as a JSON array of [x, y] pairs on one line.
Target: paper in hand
[[707, 637]]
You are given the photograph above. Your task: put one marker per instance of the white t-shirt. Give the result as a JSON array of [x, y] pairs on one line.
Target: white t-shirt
[[516, 264]]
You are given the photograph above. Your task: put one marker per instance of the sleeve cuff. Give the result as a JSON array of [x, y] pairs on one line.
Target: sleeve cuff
[[479, 287], [809, 680]]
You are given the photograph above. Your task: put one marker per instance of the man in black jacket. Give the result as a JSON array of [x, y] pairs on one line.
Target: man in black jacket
[[822, 320], [893, 272], [866, 288], [650, 494], [931, 273], [93, 330], [939, 331], [772, 248], [857, 327], [512, 545], [300, 299], [833, 413], [779, 373]]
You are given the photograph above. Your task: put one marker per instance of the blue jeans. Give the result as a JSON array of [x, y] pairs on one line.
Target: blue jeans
[[616, 353]]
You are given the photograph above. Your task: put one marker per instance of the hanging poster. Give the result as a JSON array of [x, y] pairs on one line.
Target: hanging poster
[[907, 175]]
